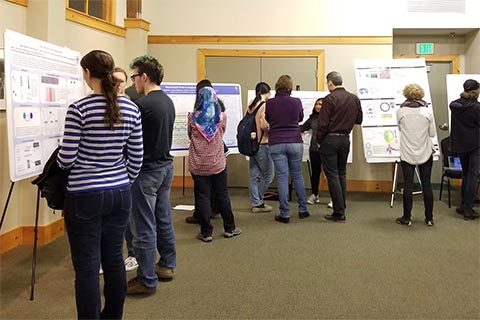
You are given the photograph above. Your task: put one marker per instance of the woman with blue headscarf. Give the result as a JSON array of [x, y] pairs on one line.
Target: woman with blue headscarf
[[207, 163]]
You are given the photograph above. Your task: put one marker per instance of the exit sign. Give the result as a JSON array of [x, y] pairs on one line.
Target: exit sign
[[424, 48]]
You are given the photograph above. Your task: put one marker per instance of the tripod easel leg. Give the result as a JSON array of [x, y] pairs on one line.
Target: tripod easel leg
[[394, 186], [6, 204], [34, 255]]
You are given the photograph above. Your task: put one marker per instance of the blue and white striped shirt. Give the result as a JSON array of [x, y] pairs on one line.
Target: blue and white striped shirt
[[94, 152]]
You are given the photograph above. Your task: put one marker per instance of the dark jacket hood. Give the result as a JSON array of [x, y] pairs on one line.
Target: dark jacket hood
[[462, 105]]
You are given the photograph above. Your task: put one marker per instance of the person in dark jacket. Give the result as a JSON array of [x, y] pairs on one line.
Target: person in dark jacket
[[465, 140], [341, 110]]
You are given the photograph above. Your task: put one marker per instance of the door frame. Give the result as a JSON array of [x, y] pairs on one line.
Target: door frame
[[452, 58], [203, 53]]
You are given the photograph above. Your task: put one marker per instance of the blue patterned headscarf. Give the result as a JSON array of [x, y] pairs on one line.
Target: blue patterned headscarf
[[206, 115]]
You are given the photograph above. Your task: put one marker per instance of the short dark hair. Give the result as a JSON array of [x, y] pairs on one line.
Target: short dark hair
[[150, 66], [284, 83], [335, 77]]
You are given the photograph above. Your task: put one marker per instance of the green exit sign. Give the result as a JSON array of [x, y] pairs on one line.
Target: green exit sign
[[424, 48]]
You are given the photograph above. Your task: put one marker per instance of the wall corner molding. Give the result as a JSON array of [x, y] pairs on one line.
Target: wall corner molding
[[137, 24]]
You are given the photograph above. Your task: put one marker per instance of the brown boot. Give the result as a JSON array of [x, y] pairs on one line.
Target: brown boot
[[164, 273], [135, 287]]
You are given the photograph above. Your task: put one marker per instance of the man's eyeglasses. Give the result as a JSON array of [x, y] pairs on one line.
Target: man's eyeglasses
[[133, 76]]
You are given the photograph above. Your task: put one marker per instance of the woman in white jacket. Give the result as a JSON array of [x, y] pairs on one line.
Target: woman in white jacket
[[416, 126]]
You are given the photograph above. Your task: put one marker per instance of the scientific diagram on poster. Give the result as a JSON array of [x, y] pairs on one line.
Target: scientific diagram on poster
[[183, 96], [41, 80], [380, 86]]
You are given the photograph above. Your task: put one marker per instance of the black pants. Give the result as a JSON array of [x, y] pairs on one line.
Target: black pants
[[205, 186], [316, 165], [470, 172], [425, 171], [334, 153]]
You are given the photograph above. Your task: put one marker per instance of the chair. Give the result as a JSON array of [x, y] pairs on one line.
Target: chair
[[447, 172]]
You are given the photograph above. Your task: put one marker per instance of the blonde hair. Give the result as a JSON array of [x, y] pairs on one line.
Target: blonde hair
[[413, 91]]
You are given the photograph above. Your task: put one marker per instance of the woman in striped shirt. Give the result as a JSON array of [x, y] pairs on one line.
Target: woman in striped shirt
[[102, 146]]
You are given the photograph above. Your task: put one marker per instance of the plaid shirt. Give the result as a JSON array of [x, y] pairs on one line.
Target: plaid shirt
[[206, 158]]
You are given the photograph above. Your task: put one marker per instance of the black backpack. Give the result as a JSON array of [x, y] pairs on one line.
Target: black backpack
[[247, 141], [52, 183]]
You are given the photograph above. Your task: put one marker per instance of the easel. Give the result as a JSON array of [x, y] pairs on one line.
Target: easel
[[35, 237], [395, 180]]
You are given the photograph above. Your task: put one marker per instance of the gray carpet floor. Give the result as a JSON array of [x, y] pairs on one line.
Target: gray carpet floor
[[367, 268]]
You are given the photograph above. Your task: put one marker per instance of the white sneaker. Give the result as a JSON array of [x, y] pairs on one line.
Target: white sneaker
[[312, 199], [131, 263], [330, 204]]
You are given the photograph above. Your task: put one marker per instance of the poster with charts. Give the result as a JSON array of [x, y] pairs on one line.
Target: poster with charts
[[41, 80], [183, 96], [380, 86]]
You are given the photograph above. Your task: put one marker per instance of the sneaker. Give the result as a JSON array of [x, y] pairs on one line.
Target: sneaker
[[131, 263], [312, 199], [404, 221], [330, 204], [204, 238], [429, 223], [164, 273], [233, 233], [262, 208], [135, 287], [101, 270]]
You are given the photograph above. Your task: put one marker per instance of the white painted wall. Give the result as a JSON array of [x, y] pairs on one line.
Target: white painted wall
[[300, 18]]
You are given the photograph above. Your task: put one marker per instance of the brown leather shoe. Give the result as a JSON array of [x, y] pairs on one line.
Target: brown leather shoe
[[164, 273], [135, 287]]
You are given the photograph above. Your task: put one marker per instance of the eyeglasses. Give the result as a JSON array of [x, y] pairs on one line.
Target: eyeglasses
[[133, 76]]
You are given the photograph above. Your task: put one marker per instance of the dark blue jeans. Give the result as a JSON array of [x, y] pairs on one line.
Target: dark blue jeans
[[151, 223], [205, 187], [470, 172], [95, 223], [425, 172], [334, 154]]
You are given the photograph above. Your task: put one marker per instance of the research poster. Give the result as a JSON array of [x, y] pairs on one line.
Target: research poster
[[380, 86], [308, 99], [183, 96], [41, 80]]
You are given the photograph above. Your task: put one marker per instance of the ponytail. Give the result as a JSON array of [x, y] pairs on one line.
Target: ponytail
[[112, 112], [260, 88]]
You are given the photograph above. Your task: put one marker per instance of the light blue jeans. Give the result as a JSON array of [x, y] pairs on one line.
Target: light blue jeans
[[261, 174], [151, 223], [288, 157]]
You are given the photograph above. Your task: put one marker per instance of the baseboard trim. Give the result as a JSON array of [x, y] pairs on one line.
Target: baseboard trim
[[352, 185], [25, 235]]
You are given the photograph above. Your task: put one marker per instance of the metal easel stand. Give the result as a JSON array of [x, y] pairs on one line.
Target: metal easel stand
[[35, 237], [35, 241], [395, 180]]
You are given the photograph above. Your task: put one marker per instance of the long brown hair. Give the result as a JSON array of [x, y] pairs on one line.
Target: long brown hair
[[101, 66]]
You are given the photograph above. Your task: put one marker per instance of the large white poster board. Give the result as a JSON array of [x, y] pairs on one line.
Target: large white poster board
[[183, 96], [455, 87], [308, 99], [380, 84], [41, 80]]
